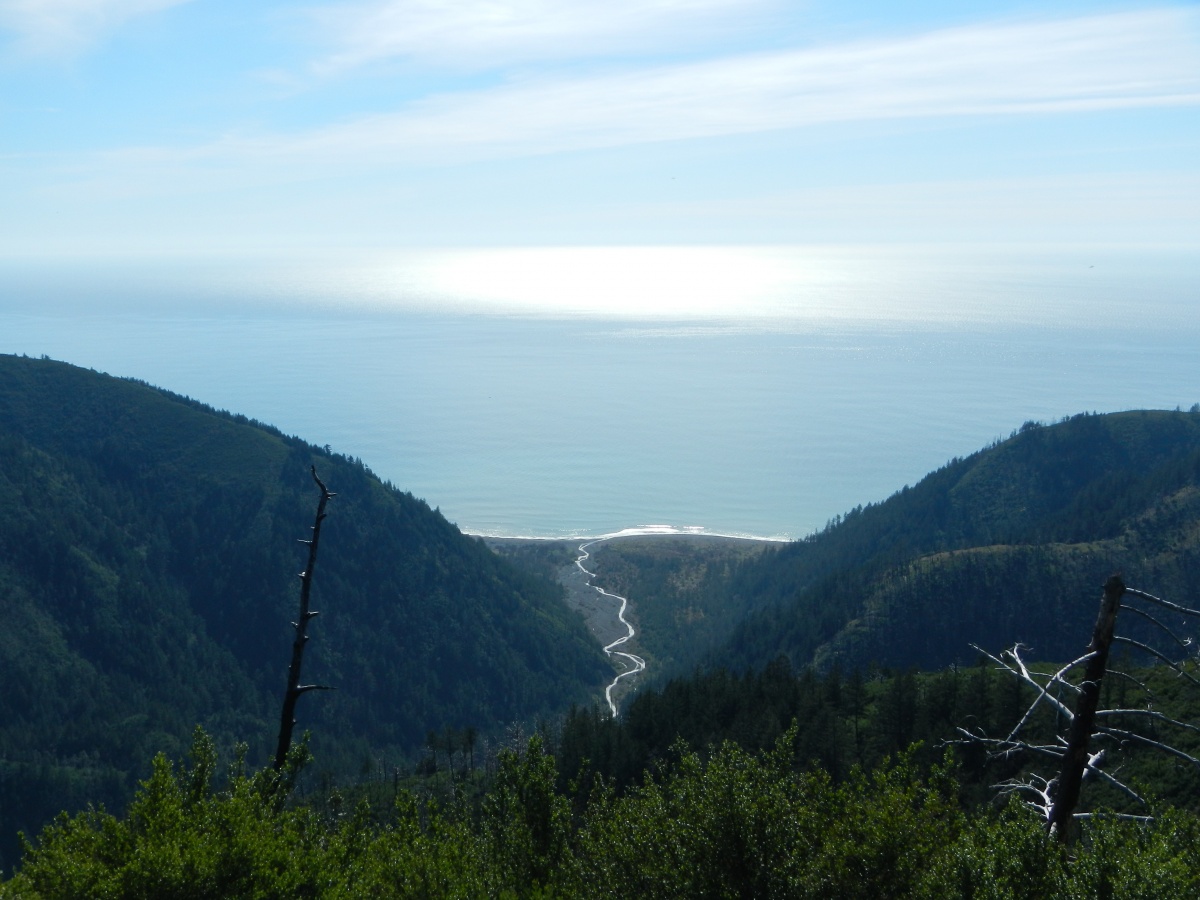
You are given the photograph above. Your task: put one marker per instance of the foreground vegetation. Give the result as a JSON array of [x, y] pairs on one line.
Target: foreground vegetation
[[734, 824], [148, 560], [147, 564]]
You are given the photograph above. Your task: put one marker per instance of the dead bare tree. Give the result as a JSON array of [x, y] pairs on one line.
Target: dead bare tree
[[1090, 737], [295, 689]]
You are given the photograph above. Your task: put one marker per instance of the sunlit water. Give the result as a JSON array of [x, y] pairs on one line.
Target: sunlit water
[[582, 391]]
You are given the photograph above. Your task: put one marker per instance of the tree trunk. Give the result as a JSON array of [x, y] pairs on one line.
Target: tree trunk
[[1075, 760], [287, 719]]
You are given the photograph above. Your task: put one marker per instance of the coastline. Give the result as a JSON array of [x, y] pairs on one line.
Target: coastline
[[695, 531]]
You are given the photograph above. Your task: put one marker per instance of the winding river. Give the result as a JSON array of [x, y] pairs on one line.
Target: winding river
[[635, 663]]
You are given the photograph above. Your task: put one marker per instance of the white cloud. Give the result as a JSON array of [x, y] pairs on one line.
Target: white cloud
[[1141, 59], [65, 27], [480, 33], [1101, 62]]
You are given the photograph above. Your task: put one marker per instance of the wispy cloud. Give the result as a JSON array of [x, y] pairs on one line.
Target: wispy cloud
[[470, 34], [1089, 63], [65, 27], [1080, 64]]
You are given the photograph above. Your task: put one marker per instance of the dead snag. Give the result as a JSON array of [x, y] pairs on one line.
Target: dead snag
[[1075, 757], [1094, 737], [287, 719]]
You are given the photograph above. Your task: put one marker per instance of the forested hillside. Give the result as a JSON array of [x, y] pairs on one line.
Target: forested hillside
[[148, 559], [861, 719], [1011, 544], [681, 588]]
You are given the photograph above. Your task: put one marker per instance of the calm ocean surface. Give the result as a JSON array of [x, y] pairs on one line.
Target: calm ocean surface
[[576, 392]]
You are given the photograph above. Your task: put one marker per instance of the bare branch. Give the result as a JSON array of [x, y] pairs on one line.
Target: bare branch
[[1184, 643], [1119, 785], [1038, 786], [1137, 682], [1042, 692], [971, 737], [1023, 674], [1004, 747], [1124, 817], [1150, 742], [1045, 749], [1159, 655], [1148, 713], [1080, 750], [1056, 677], [1042, 789], [994, 659], [1165, 603]]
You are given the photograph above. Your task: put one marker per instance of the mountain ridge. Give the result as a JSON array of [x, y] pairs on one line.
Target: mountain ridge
[[148, 550], [147, 533], [1009, 543]]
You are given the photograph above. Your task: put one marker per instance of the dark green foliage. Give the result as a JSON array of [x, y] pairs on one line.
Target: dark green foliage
[[182, 839], [738, 824], [525, 821], [147, 534], [1009, 856], [844, 723], [148, 560], [1011, 544], [544, 557], [848, 722], [743, 825], [680, 587]]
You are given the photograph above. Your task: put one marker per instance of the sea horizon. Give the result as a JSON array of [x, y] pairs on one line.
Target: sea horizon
[[750, 392]]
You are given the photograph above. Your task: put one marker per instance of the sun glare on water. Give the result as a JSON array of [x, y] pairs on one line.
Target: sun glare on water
[[767, 287], [756, 286], [625, 282]]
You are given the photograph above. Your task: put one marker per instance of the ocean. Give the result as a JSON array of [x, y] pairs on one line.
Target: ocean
[[561, 392]]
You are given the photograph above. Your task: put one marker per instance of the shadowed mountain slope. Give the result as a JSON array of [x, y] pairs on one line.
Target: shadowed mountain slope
[[148, 559], [1010, 544]]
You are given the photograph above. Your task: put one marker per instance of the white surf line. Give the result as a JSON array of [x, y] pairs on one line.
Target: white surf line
[[639, 664]]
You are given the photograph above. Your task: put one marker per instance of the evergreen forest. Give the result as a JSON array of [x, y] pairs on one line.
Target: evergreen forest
[[803, 732], [148, 558]]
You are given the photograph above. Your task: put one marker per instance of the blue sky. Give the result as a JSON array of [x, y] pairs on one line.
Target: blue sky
[[166, 127]]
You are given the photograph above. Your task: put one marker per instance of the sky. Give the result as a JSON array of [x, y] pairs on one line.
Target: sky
[[142, 128]]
